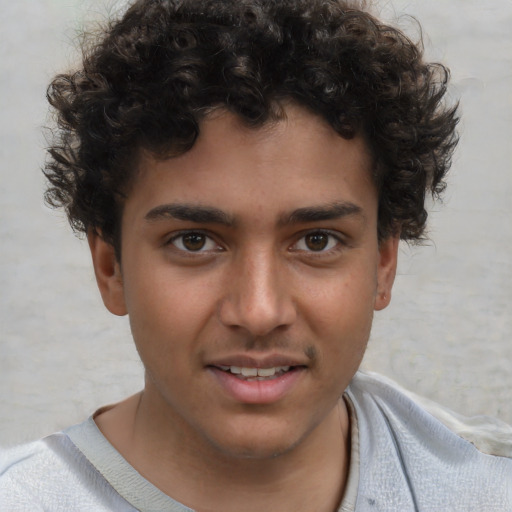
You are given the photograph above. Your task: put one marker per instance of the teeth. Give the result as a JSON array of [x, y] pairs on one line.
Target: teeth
[[255, 372], [266, 372]]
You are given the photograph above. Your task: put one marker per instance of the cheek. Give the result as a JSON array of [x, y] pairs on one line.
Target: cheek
[[166, 312], [343, 298], [340, 313]]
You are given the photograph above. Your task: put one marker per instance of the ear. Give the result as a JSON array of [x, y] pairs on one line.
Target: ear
[[108, 273], [386, 271]]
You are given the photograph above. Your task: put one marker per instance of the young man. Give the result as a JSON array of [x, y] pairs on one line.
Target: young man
[[244, 171]]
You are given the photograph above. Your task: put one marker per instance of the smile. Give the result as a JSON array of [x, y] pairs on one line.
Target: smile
[[247, 373], [257, 385]]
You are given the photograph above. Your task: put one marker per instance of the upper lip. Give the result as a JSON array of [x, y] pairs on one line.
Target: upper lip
[[263, 361]]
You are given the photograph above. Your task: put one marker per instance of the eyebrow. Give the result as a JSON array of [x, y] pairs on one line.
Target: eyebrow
[[211, 215], [191, 213], [331, 211]]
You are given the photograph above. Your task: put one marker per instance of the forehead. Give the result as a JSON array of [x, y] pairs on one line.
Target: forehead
[[293, 162]]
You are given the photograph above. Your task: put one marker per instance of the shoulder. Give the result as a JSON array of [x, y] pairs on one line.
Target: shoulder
[[53, 475], [29, 459], [487, 434], [424, 455], [22, 469]]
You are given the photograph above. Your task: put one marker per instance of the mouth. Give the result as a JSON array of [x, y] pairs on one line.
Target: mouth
[[262, 384], [257, 374]]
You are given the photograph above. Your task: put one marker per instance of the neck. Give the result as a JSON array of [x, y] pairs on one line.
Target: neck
[[309, 476]]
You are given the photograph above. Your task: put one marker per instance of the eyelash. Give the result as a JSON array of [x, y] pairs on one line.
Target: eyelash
[[182, 234], [339, 242]]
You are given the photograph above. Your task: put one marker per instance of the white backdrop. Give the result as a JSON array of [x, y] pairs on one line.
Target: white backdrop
[[446, 334]]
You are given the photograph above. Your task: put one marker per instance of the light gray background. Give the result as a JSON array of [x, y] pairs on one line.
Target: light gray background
[[446, 334]]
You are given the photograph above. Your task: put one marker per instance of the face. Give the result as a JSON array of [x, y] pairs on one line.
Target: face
[[250, 272]]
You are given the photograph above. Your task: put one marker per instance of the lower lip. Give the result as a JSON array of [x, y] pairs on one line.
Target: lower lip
[[257, 391]]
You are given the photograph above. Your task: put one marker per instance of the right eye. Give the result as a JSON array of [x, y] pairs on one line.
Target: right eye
[[194, 241]]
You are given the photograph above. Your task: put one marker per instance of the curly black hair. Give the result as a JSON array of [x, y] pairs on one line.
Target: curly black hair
[[153, 75]]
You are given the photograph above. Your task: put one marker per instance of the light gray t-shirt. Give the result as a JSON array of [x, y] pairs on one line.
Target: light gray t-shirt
[[404, 457]]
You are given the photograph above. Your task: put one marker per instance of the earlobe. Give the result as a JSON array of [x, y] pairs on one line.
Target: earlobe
[[388, 256], [108, 273]]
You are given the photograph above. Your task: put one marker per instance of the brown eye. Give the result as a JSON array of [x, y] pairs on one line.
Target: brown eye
[[316, 241], [193, 241]]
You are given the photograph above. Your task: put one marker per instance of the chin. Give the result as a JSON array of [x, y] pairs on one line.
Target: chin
[[256, 450], [261, 444]]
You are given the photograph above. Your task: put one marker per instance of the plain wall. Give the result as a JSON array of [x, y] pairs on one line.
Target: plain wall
[[446, 334]]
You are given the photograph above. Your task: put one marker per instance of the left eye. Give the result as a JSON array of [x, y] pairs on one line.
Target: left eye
[[194, 241], [318, 241]]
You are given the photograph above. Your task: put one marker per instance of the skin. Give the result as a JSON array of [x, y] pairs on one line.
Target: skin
[[289, 268]]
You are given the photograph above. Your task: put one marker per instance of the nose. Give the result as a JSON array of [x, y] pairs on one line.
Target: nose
[[258, 295]]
